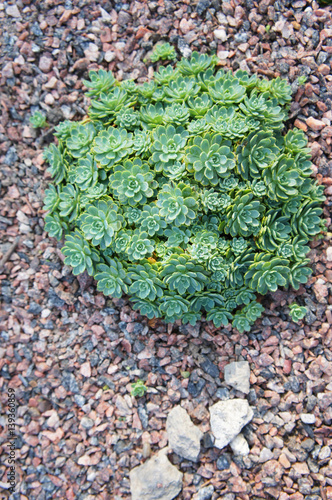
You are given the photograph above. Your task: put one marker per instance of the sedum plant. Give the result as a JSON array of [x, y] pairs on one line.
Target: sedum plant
[[185, 193]]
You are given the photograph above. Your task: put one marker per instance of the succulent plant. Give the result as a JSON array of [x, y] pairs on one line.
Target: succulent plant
[[184, 192], [100, 222], [80, 140], [132, 182], [297, 312], [100, 82], [38, 120], [112, 278], [111, 145], [210, 158], [163, 51]]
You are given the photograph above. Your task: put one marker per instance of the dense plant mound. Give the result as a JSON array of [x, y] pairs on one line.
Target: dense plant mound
[[183, 193]]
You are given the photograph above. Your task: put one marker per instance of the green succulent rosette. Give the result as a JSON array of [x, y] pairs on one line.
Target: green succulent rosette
[[185, 192]]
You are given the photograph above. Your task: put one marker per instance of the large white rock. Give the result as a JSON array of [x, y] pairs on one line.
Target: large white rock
[[237, 375], [227, 418], [240, 446], [183, 436], [156, 479]]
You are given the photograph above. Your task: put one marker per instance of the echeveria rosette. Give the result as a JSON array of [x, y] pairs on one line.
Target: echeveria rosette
[[297, 312], [210, 157], [206, 301], [146, 308], [111, 146], [57, 165], [173, 306], [258, 152], [177, 237], [79, 254], [282, 179], [165, 74], [100, 223], [151, 221], [243, 216], [299, 274], [219, 316], [253, 311], [132, 182], [93, 193], [112, 278], [199, 106], [122, 241], [85, 175], [183, 276], [52, 199], [168, 146], [306, 221], [55, 225], [110, 103], [196, 64], [128, 119], [164, 51], [227, 91], [100, 81], [145, 281], [177, 204], [69, 202], [275, 231], [140, 246], [180, 89], [176, 114], [241, 323], [80, 140], [267, 273]]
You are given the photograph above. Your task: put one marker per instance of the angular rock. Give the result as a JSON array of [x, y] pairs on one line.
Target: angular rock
[[183, 436], [204, 493], [240, 446], [227, 418], [237, 375], [156, 479], [308, 418]]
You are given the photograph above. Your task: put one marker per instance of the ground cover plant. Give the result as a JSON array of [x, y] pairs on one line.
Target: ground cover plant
[[184, 192]]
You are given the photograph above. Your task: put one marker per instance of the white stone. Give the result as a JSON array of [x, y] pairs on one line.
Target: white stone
[[183, 436], [13, 11], [109, 56], [221, 34], [223, 54], [265, 455], [329, 254], [105, 15], [237, 375], [49, 99], [324, 453], [240, 446], [156, 479], [308, 418], [227, 418], [92, 52]]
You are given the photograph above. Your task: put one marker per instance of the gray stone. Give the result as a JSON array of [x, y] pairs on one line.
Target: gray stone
[[156, 479], [240, 446], [237, 375], [308, 418], [227, 418], [183, 436], [204, 493], [87, 423]]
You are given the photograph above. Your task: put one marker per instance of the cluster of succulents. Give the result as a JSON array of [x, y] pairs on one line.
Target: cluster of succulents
[[184, 192]]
